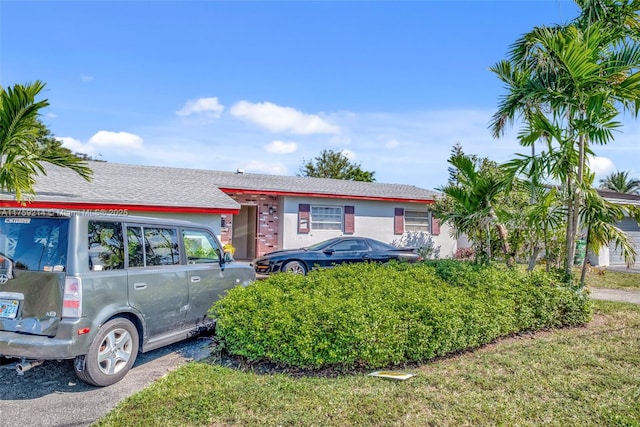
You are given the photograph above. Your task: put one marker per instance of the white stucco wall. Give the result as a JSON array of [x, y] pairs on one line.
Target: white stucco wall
[[373, 219]]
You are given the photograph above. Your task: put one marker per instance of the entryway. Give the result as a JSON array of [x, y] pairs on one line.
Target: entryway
[[244, 232]]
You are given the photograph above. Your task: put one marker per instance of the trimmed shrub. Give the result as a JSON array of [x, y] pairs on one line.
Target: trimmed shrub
[[371, 316]]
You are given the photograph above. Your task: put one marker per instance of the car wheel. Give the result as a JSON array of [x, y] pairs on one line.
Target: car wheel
[[112, 353], [295, 267]]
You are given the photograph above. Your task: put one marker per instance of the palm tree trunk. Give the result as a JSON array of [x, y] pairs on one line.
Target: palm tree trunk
[[534, 257], [546, 248], [570, 246], [488, 231], [583, 274], [504, 242], [577, 201]]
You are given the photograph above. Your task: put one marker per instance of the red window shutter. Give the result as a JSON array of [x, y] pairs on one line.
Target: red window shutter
[[349, 219], [304, 216], [398, 221], [435, 226]]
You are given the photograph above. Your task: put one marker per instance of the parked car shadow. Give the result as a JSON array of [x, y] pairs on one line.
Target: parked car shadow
[[59, 377]]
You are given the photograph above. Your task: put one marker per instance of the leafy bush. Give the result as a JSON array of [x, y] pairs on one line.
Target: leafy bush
[[371, 316]]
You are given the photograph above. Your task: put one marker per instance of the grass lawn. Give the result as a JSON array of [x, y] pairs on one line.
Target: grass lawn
[[613, 280], [587, 376]]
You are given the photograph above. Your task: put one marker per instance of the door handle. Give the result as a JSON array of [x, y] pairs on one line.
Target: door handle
[[139, 285], [195, 279]]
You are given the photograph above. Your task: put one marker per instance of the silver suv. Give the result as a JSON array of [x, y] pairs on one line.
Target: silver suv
[[98, 289]]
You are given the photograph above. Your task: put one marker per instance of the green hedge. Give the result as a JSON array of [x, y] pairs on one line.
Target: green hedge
[[371, 316]]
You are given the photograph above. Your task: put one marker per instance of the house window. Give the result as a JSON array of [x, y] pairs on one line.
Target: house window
[[326, 218], [416, 221]]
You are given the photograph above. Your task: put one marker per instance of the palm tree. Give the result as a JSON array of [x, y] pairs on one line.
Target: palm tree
[[473, 195], [619, 181], [567, 83], [543, 217], [599, 218], [21, 155]]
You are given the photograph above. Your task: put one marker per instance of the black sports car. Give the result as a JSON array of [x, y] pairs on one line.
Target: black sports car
[[338, 250]]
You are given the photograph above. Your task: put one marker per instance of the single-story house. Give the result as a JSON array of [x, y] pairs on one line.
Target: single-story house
[[255, 213], [611, 256]]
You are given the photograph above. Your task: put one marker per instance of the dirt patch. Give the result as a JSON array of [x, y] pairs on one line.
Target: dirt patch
[[599, 320]]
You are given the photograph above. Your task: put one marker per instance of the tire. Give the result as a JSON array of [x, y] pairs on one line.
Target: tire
[[295, 267], [111, 354]]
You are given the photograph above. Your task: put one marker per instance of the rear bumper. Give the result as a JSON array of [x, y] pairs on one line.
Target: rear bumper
[[67, 344]]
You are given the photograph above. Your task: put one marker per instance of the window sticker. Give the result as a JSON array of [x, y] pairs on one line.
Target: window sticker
[[17, 220]]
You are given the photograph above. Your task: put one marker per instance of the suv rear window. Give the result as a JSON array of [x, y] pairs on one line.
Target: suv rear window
[[36, 244]]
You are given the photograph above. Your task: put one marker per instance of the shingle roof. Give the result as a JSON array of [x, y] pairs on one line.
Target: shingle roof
[[117, 183], [128, 184], [620, 198], [319, 186]]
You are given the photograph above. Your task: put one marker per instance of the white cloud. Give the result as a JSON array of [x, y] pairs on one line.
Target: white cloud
[[269, 168], [108, 139], [602, 166], [282, 119], [86, 77], [349, 154], [205, 106], [104, 141], [76, 146], [282, 147]]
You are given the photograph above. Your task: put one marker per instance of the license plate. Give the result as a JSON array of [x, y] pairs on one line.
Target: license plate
[[9, 308]]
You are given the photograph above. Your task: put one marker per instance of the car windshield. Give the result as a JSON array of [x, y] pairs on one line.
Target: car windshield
[[321, 245], [38, 244]]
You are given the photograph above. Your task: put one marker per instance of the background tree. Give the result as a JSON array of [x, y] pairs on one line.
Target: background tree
[[568, 84], [24, 142], [49, 143], [335, 164], [619, 181], [471, 203]]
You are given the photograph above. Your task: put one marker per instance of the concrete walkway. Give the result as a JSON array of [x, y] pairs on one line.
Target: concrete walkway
[[617, 295]]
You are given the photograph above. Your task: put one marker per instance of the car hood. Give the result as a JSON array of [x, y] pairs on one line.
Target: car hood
[[284, 252]]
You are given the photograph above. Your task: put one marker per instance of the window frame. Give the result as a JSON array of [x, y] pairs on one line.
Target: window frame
[[96, 241], [211, 240], [338, 216], [410, 223], [145, 245]]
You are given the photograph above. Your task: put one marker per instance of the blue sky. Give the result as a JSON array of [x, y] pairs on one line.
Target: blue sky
[[263, 86]]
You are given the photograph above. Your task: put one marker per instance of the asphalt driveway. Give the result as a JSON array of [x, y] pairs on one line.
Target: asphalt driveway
[[51, 395], [618, 295]]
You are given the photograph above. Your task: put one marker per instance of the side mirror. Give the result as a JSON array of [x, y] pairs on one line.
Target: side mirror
[[328, 251], [222, 257], [227, 257]]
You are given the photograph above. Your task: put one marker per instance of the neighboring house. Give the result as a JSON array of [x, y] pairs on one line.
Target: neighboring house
[[255, 213], [611, 256]]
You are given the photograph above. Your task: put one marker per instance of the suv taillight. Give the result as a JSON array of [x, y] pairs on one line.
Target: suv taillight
[[72, 299]]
